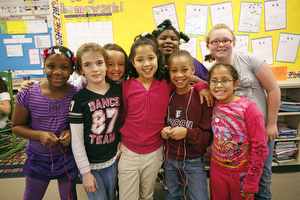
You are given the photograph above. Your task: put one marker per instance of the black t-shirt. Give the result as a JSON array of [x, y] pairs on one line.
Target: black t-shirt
[[101, 115]]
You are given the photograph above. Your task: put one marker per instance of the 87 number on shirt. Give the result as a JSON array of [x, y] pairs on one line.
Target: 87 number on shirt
[[99, 117]]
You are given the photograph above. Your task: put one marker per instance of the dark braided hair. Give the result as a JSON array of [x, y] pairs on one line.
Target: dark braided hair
[[167, 25]]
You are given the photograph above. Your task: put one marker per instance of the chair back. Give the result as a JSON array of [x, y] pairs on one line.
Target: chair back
[[7, 78]]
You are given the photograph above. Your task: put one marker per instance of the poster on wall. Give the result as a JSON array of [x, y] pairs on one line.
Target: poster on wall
[[205, 51], [196, 19], [250, 16], [167, 11], [190, 46], [275, 15], [263, 47], [241, 43], [222, 13], [83, 28], [288, 46]]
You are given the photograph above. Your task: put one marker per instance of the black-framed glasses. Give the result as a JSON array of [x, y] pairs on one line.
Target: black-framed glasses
[[217, 42], [216, 82]]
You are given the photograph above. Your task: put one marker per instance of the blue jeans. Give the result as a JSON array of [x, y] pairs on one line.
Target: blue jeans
[[107, 180], [194, 175], [264, 190]]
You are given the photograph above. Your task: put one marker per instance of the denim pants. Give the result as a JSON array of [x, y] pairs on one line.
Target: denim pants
[[264, 191], [107, 180], [192, 172]]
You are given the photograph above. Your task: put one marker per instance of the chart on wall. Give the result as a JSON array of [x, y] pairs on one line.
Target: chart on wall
[[83, 28]]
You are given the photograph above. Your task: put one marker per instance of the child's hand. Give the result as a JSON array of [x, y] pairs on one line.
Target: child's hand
[[205, 93], [89, 182], [25, 85], [165, 131], [177, 133], [119, 150], [65, 137], [48, 139]]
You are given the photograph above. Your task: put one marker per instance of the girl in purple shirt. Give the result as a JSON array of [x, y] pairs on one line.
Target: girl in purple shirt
[[41, 116]]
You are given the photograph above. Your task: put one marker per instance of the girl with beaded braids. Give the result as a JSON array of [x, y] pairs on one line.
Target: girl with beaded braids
[[168, 39], [41, 116]]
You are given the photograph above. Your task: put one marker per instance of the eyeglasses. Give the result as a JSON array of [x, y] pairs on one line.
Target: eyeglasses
[[217, 42], [216, 82]]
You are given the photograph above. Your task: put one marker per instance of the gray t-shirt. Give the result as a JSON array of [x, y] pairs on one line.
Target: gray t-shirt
[[247, 64]]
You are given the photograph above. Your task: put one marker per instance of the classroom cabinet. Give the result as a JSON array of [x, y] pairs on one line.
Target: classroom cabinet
[[288, 145]]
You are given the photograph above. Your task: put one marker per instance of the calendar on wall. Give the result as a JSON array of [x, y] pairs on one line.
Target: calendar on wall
[[83, 28]]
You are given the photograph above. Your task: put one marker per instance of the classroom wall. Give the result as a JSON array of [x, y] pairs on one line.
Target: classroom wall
[[136, 17], [132, 17]]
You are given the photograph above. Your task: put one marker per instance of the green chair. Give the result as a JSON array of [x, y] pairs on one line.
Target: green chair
[[8, 140]]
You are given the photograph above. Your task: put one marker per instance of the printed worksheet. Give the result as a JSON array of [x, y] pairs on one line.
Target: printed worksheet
[[204, 52], [167, 11], [190, 46], [241, 43], [263, 47], [275, 15], [250, 15], [196, 19], [100, 32], [222, 13], [288, 46], [34, 56]]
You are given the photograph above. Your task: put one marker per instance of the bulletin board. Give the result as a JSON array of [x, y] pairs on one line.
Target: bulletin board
[[26, 29], [128, 18]]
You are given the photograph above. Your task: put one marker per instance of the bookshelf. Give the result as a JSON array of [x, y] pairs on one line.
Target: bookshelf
[[290, 88]]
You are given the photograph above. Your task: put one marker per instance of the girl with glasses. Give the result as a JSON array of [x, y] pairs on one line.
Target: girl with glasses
[[257, 83], [240, 145]]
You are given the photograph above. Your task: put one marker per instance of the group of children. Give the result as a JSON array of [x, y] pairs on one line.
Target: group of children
[[122, 133]]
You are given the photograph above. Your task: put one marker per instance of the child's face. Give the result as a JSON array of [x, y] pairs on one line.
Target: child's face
[[168, 42], [181, 69], [93, 67], [221, 51], [58, 69], [115, 65], [224, 93], [145, 62]]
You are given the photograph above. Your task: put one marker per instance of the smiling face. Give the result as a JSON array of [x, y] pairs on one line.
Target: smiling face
[[181, 68], [222, 52], [224, 93], [145, 62], [58, 69], [115, 65], [93, 67], [168, 42]]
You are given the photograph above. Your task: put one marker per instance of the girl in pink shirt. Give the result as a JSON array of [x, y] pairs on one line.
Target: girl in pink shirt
[[145, 103], [239, 147]]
